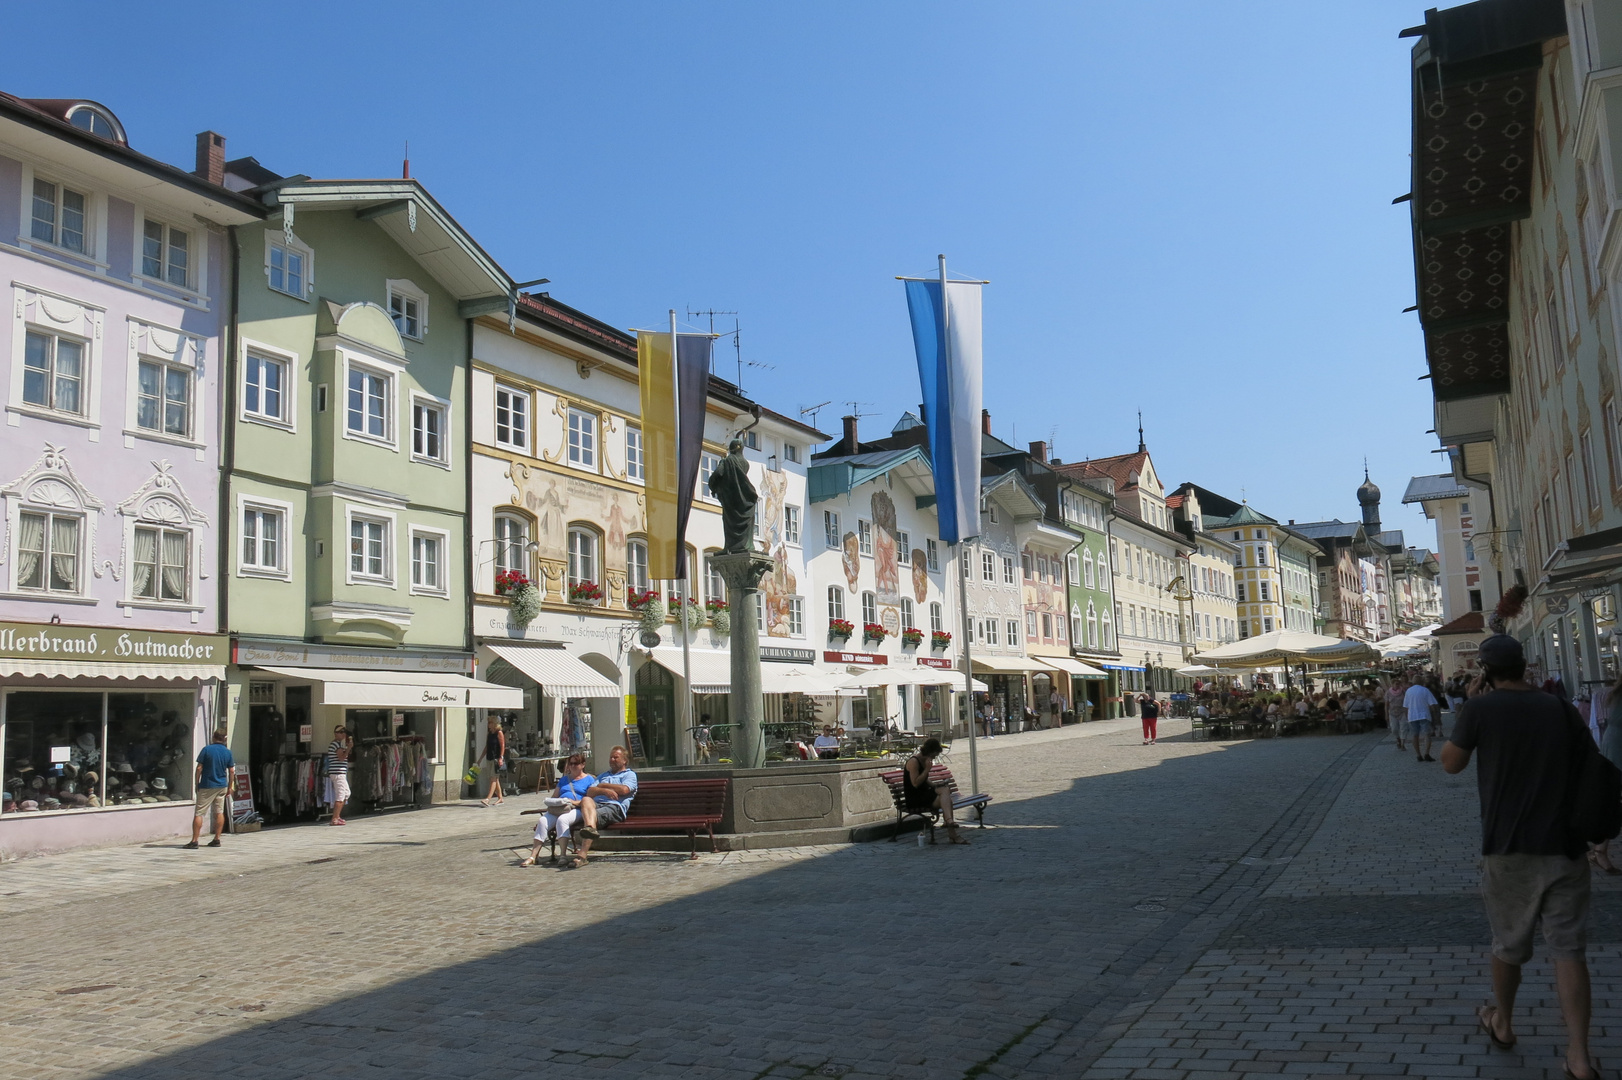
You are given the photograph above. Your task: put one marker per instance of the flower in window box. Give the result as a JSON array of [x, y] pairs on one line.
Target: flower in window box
[[585, 593], [509, 581], [840, 628], [912, 636], [874, 632], [695, 613], [524, 603], [641, 599], [940, 639]]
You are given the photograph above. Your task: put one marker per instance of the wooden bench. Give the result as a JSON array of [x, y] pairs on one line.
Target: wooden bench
[[671, 806], [940, 776]]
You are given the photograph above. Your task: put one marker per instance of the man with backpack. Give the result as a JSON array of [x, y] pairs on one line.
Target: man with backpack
[[1534, 752]]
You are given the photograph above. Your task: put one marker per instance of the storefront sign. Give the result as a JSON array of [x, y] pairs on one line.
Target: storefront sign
[[249, 652], [786, 655], [935, 662], [491, 624], [855, 658], [306, 732], [120, 646]]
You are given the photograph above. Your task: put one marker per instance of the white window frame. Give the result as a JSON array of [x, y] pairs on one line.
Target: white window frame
[[707, 464], [715, 586], [932, 555], [390, 374], [247, 504], [56, 314], [830, 530], [1013, 633], [406, 289], [1009, 575], [632, 579], [196, 255], [988, 566], [864, 537], [503, 544], [836, 603], [791, 452], [158, 600], [636, 461], [937, 618], [371, 516], [290, 243], [870, 607], [443, 407], [289, 362], [791, 525], [193, 400], [82, 557], [584, 431], [49, 408], [796, 616], [94, 217], [443, 539], [513, 394], [570, 577], [988, 631], [903, 547]]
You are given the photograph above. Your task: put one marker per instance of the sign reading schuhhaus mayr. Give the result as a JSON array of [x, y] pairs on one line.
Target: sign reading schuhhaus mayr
[[120, 646]]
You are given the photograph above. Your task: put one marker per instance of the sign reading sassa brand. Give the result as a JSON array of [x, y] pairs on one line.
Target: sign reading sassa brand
[[100, 643]]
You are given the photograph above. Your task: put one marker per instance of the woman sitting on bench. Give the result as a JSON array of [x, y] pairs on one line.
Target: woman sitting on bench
[[921, 794], [559, 819]]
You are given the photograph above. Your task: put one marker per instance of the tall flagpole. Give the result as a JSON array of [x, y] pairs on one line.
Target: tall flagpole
[[962, 570], [684, 720]]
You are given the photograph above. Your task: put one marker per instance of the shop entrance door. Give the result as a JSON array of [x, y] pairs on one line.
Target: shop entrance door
[[656, 714]]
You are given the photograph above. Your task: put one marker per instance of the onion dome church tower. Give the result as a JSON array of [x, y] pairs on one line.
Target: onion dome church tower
[[1368, 497]]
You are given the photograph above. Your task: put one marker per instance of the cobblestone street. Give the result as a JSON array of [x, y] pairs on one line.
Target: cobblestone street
[[1300, 906]]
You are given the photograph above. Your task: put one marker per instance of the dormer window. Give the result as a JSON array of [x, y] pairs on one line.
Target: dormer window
[[94, 120]]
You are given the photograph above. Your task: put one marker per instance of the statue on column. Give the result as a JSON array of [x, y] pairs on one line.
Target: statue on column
[[735, 492]]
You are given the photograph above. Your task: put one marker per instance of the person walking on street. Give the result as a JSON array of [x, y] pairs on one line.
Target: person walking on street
[[1533, 873], [216, 772], [1395, 715], [1610, 746], [337, 762], [1422, 709], [1149, 709], [493, 760]]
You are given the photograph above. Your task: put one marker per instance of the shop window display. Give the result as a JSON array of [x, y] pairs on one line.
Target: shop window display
[[80, 751]]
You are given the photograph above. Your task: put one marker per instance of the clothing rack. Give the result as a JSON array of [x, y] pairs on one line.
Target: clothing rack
[[390, 771]]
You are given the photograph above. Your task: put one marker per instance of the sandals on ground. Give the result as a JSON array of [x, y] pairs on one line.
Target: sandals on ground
[[1483, 1012], [528, 860]]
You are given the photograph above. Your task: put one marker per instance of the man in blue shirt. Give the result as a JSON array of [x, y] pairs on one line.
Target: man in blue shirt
[[216, 770], [608, 800]]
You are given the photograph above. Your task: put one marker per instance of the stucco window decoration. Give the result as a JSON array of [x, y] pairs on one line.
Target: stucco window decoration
[[162, 544], [51, 529]]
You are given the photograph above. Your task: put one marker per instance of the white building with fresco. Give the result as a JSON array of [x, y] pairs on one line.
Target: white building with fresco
[[557, 494]]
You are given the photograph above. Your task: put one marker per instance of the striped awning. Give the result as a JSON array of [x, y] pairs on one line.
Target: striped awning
[[556, 672], [80, 669], [403, 689]]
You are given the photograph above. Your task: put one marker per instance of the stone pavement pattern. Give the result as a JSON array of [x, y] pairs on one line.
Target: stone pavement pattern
[[1142, 911]]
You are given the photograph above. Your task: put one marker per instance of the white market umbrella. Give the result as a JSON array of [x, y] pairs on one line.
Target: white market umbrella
[[1344, 651], [913, 676], [804, 679], [1266, 650]]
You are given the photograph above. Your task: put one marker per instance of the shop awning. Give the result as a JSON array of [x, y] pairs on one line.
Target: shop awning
[[404, 689], [558, 674], [1013, 665], [922, 675], [805, 679], [1076, 668], [80, 669], [712, 671]]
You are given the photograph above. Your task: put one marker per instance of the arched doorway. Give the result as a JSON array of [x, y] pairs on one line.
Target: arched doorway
[[655, 715]]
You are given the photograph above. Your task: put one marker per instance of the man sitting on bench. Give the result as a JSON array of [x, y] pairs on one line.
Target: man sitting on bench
[[607, 801], [922, 795]]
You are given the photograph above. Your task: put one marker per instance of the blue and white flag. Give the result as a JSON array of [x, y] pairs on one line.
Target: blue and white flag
[[948, 346]]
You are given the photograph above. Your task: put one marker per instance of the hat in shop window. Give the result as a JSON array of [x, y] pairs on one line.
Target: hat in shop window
[[28, 806], [160, 783], [123, 767], [91, 800], [139, 787], [8, 800], [37, 783], [90, 779], [75, 801], [50, 804], [67, 787]]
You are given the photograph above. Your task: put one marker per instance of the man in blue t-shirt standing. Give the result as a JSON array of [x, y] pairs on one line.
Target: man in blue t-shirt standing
[[216, 770], [607, 801]]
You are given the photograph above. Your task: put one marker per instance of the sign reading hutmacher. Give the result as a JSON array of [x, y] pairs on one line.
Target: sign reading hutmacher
[[55, 642]]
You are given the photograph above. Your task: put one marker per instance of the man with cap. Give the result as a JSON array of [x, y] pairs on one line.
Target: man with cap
[[215, 772], [1533, 872]]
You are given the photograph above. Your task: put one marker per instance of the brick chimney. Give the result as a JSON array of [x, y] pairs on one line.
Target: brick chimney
[[851, 445], [985, 421], [210, 157], [1039, 451]]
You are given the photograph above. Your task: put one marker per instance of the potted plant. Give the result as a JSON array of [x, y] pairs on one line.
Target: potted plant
[[585, 593], [840, 629], [911, 637], [695, 614], [650, 610], [939, 640], [523, 598], [720, 616], [874, 632]]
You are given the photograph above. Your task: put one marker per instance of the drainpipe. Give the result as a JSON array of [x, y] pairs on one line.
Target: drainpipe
[[228, 441], [467, 471]]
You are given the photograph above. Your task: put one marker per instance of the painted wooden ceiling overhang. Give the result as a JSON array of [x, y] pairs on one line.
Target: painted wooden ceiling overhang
[[1475, 73]]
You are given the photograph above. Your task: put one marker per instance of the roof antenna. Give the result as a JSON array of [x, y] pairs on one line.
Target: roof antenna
[[1141, 447], [405, 168]]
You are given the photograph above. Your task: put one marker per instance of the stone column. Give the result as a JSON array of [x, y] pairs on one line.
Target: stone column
[[742, 573]]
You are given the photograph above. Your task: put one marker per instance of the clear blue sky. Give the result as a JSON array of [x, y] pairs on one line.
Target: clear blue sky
[[1183, 207]]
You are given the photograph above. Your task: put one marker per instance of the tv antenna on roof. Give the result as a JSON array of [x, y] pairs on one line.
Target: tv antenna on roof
[[737, 340], [813, 410], [856, 408]]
